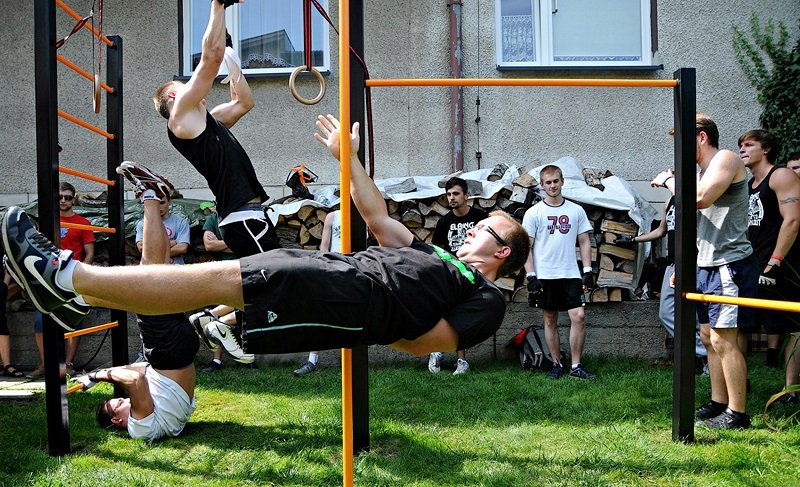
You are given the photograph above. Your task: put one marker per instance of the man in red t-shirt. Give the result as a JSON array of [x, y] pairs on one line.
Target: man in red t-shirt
[[81, 243]]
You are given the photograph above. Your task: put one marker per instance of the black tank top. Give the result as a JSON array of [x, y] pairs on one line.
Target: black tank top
[[764, 219], [222, 161]]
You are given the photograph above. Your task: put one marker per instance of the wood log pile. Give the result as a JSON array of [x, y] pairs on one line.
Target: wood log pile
[[613, 265]]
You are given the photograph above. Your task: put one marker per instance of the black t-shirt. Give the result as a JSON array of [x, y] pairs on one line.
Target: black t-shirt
[[222, 161], [669, 215], [451, 230], [416, 288]]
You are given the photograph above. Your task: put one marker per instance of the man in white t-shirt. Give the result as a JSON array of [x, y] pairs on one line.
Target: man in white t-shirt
[[554, 281], [161, 389]]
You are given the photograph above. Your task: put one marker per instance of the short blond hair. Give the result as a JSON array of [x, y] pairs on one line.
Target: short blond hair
[[161, 98]]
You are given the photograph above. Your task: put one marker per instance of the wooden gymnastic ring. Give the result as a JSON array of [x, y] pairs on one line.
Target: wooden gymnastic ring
[[96, 93], [296, 94]]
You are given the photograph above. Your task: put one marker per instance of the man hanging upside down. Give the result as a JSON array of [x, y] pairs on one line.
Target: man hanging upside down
[[406, 294]]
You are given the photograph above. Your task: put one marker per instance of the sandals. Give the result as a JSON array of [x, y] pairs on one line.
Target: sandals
[[11, 371]]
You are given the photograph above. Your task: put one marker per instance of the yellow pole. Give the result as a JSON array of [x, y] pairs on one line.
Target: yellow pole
[[747, 302], [627, 83], [344, 185]]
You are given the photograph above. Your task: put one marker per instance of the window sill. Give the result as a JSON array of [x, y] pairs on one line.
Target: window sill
[[654, 67], [255, 76]]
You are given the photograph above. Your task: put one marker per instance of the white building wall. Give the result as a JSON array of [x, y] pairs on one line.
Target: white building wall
[[621, 129]]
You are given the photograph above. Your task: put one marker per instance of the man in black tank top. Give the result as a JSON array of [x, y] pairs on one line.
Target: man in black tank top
[[774, 220], [204, 138]]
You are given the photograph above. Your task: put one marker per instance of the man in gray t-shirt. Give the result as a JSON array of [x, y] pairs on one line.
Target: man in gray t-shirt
[[725, 267]]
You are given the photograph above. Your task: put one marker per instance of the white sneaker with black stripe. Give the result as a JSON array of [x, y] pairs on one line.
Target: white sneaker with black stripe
[[225, 336]]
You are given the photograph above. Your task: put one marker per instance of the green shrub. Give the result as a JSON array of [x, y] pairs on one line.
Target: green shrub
[[774, 70]]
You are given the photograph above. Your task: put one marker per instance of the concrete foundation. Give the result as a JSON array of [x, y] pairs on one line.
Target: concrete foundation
[[629, 329]]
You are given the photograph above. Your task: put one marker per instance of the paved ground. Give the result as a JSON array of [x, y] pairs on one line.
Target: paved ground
[[20, 389]]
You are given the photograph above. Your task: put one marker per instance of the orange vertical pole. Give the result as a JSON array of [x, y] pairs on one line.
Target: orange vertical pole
[[344, 185]]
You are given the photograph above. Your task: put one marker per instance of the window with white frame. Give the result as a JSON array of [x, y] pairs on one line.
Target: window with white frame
[[267, 34], [574, 33]]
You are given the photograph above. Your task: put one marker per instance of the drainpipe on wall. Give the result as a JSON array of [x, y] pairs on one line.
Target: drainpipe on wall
[[456, 92]]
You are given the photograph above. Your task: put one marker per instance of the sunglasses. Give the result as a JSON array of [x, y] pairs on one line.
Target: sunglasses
[[66, 197], [494, 234]]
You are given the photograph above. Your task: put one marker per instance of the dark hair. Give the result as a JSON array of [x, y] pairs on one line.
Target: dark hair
[[518, 241], [102, 416], [703, 123], [454, 181], [794, 156], [65, 186], [768, 141]]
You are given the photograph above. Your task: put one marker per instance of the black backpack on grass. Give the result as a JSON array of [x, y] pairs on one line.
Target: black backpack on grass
[[532, 355]]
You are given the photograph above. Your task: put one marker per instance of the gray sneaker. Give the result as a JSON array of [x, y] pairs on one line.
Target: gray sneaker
[[462, 367], [434, 362], [580, 372], [305, 369], [35, 261], [226, 338], [199, 321]]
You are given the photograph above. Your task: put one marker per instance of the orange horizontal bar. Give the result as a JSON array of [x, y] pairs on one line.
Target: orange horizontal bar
[[746, 302], [76, 387], [625, 83], [86, 125], [80, 174], [66, 62], [79, 226], [79, 18], [91, 329]]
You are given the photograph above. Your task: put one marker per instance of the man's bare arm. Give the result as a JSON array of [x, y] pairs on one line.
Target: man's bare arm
[[132, 379], [787, 190], [241, 102], [723, 170], [368, 200], [183, 115]]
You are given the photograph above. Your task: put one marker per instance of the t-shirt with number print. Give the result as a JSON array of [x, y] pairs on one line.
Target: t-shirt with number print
[[555, 230]]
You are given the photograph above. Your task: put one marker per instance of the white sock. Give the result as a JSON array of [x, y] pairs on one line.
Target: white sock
[[149, 194], [216, 361], [64, 276], [80, 301], [313, 357]]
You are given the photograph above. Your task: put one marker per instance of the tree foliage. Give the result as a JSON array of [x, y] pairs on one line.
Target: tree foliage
[[774, 70]]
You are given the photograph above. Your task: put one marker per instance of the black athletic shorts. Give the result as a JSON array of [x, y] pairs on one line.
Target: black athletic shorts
[[296, 301], [250, 237], [170, 341], [561, 294], [786, 289]]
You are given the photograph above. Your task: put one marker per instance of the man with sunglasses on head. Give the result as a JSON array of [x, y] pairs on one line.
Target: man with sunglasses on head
[[404, 293], [554, 281]]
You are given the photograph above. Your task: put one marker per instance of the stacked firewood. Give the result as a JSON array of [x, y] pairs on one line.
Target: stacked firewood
[[613, 265]]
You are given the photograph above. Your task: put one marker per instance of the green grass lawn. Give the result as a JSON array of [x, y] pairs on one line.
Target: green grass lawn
[[496, 426]]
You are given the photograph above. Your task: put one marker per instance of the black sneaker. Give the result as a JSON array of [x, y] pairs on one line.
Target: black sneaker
[[212, 367], [727, 420], [35, 261], [68, 316], [556, 372], [143, 179], [709, 410], [199, 320], [787, 400], [305, 369], [580, 372]]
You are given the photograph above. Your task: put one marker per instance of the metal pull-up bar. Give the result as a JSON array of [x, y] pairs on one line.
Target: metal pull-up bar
[[620, 83], [84, 124], [746, 302], [81, 174], [91, 329]]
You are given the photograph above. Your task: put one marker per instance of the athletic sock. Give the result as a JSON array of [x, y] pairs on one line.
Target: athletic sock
[[313, 357], [575, 366], [216, 361], [64, 276], [149, 194]]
